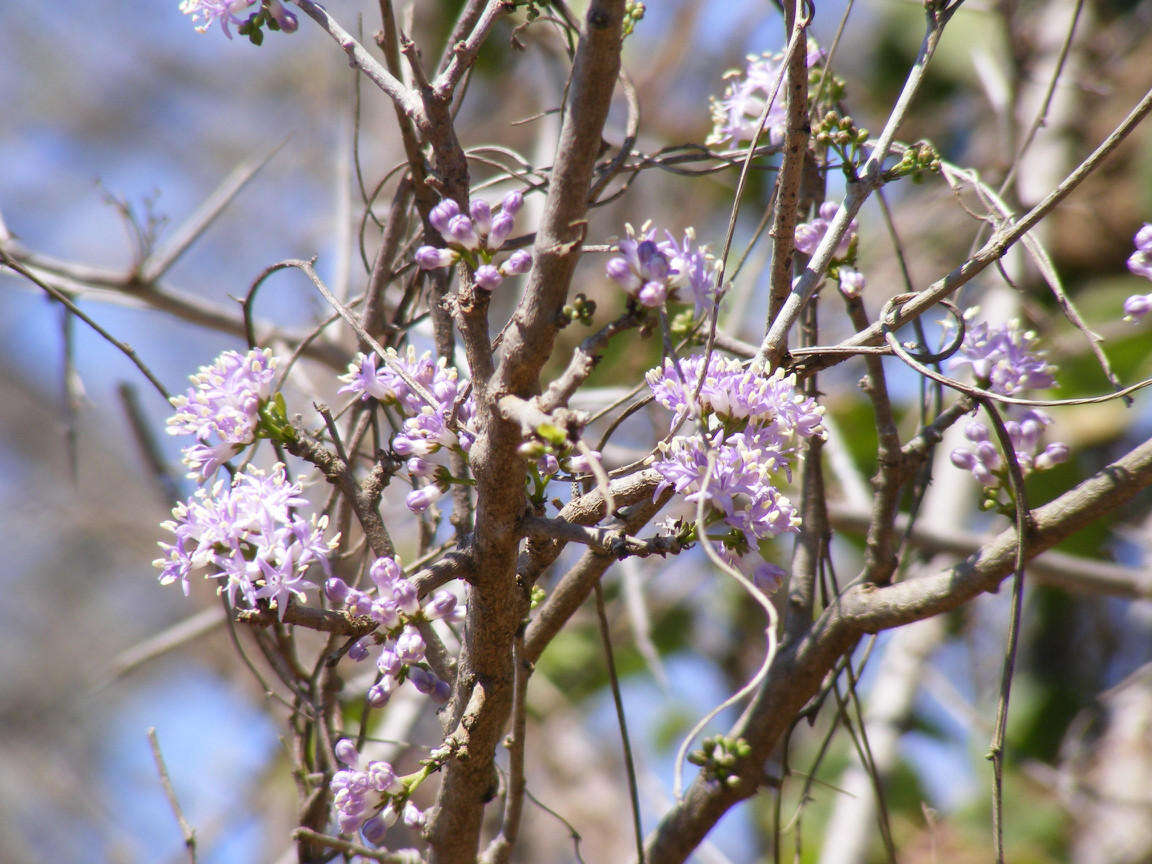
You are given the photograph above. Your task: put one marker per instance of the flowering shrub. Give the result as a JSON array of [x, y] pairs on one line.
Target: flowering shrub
[[481, 431]]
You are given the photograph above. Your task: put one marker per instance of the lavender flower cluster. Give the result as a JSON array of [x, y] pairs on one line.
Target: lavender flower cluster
[[245, 532], [753, 425], [204, 12], [655, 271], [1140, 263], [475, 237], [428, 427], [369, 797], [736, 115], [395, 607], [1005, 360], [224, 403]]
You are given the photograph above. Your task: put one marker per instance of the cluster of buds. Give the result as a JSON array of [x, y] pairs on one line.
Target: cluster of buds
[[840, 131], [916, 161], [1025, 429], [395, 607], [368, 796], [1005, 360], [580, 309], [720, 757], [475, 237], [1140, 263], [633, 14]]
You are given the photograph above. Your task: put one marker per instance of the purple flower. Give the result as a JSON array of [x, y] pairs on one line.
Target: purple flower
[[442, 214], [1025, 428], [768, 577], [1053, 455], [652, 294], [389, 662], [385, 572], [419, 500], [1140, 261], [286, 20], [442, 605], [643, 268], [736, 393], [1003, 359], [518, 263], [1137, 306], [224, 402], [247, 535], [462, 232], [347, 753], [379, 694], [809, 234], [487, 277], [430, 257], [410, 646], [736, 115], [851, 282], [481, 214], [694, 269], [413, 817], [387, 384], [362, 793], [740, 485], [204, 12], [423, 680]]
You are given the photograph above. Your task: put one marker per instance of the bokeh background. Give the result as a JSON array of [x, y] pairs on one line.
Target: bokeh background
[[115, 124]]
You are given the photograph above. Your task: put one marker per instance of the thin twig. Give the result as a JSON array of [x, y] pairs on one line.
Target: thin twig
[[186, 830], [618, 702]]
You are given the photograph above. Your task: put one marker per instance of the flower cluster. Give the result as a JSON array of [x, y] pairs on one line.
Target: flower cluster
[[204, 12], [224, 403], [1140, 263], [736, 115], [1025, 426], [369, 797], [476, 237], [246, 533], [395, 607], [754, 424], [654, 271], [1005, 360], [439, 417]]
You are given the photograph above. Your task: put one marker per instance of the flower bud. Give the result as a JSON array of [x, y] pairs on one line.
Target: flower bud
[[442, 214], [336, 589], [442, 604], [487, 277], [481, 214], [518, 263], [358, 651], [1053, 455], [431, 257], [621, 273], [513, 201], [347, 753], [462, 232]]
